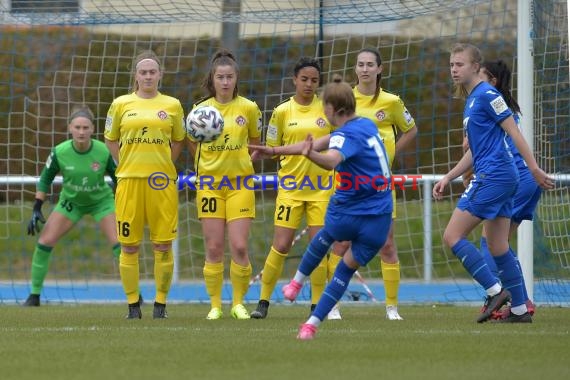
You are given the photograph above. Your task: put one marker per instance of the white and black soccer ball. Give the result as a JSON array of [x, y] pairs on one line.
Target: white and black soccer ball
[[204, 124]]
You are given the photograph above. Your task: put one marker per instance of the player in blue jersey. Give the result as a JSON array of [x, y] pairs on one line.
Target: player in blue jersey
[[360, 211], [290, 123], [528, 192], [487, 120]]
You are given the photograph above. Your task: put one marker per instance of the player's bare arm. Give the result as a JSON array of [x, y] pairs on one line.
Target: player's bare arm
[[464, 164], [328, 160], [406, 139], [175, 149], [319, 145], [541, 178], [113, 147]]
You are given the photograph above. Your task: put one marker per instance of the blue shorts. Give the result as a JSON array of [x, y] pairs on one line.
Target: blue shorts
[[526, 198], [368, 233], [488, 199]]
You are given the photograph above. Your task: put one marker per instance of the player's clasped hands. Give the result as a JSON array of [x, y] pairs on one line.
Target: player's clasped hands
[[308, 145]]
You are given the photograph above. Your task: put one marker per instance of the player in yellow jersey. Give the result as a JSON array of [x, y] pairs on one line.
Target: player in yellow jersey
[[392, 119], [144, 132], [310, 186], [223, 202]]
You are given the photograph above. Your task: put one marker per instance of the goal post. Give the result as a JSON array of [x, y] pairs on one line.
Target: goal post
[[525, 92]]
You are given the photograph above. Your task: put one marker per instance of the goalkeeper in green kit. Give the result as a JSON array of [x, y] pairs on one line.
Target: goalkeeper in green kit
[[83, 163]]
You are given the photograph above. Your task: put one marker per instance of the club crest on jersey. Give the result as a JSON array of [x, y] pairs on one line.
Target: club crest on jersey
[[95, 166], [162, 115], [380, 115], [240, 120], [321, 123]]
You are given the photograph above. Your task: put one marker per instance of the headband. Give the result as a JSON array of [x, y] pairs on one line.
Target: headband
[[81, 113], [146, 59]]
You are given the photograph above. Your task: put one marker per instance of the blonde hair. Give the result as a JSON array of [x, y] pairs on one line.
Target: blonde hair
[[475, 55], [340, 96], [146, 54]]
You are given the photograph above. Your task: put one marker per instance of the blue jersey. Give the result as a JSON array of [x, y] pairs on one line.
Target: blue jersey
[[485, 109], [364, 187], [520, 163]]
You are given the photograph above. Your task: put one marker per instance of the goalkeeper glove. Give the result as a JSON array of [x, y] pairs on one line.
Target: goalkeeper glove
[[37, 216]]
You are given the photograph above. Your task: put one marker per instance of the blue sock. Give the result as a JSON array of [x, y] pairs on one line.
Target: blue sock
[[316, 250], [489, 258], [511, 277], [525, 293], [473, 262], [334, 290]]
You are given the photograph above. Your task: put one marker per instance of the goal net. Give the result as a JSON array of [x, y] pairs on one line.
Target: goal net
[[56, 54]]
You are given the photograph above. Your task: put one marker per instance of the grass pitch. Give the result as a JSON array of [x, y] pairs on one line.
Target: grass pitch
[[433, 342]]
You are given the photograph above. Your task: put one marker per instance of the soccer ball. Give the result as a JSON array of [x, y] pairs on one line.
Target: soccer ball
[[204, 124]]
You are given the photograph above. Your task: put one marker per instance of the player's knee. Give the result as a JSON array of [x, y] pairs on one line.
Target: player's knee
[[449, 238], [214, 247], [388, 252], [340, 247], [497, 248], [48, 241], [130, 248], [161, 247], [240, 249], [282, 246]]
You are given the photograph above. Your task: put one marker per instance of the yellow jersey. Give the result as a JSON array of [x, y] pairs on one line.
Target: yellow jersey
[[389, 114], [299, 177], [145, 129], [228, 157]]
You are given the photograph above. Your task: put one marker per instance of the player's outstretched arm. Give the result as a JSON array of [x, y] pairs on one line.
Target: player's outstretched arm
[[320, 144], [328, 160]]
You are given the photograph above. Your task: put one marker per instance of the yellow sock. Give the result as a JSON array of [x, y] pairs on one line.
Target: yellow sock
[[319, 281], [163, 269], [129, 271], [272, 270], [214, 279], [331, 266], [391, 277], [239, 276]]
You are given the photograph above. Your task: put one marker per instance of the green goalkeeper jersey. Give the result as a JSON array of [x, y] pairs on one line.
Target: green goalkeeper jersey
[[83, 172]]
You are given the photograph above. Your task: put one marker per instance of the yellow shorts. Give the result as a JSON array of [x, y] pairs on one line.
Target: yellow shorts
[[137, 204], [289, 212], [226, 203]]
